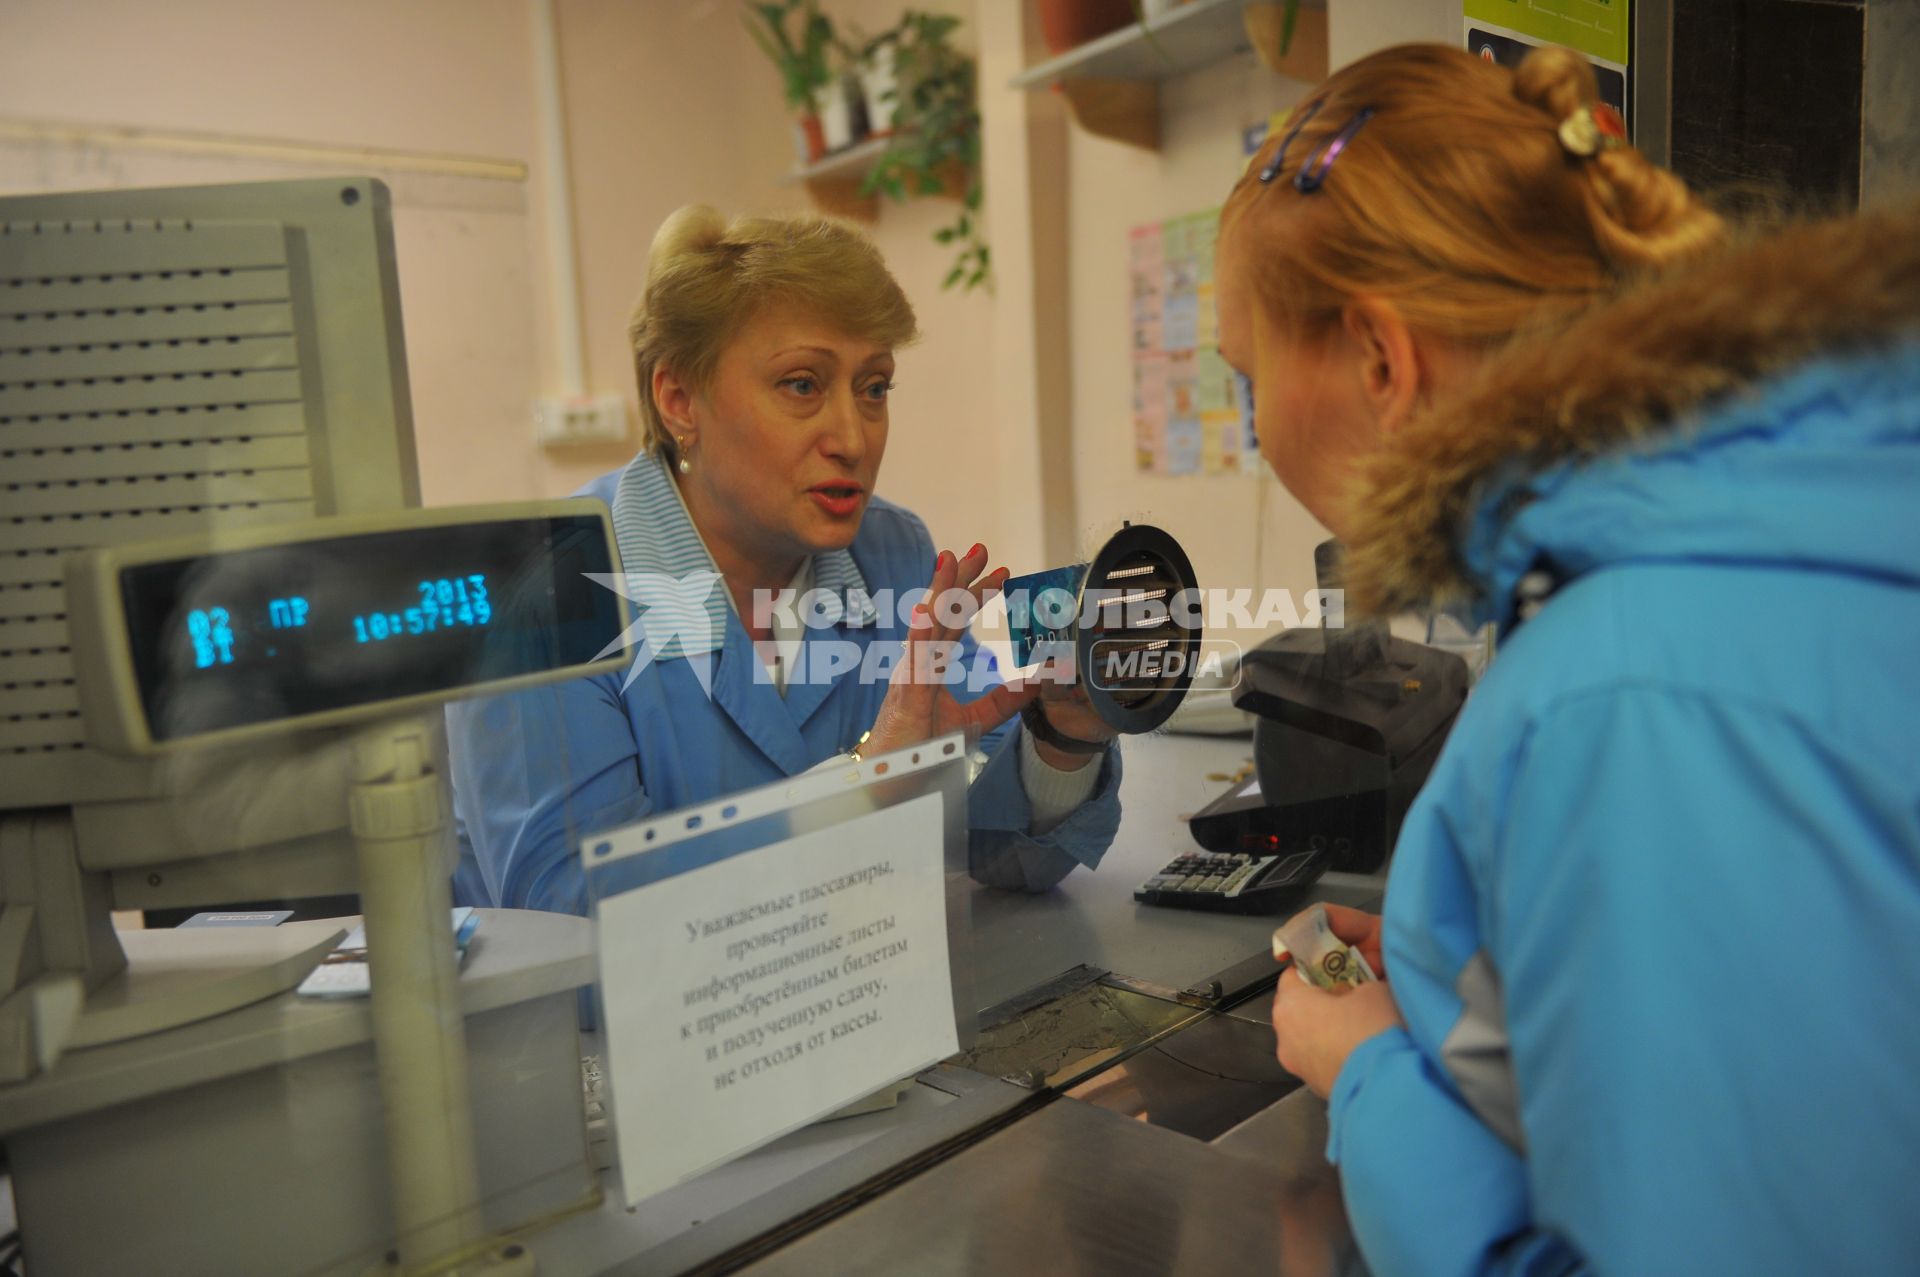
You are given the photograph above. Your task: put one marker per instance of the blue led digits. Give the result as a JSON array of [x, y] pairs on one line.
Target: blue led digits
[[211, 630], [287, 614], [443, 604]]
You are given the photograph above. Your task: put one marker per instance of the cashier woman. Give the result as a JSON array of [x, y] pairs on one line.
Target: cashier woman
[[1651, 941], [765, 353]]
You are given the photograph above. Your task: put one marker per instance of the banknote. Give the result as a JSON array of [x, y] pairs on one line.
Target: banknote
[[1321, 958]]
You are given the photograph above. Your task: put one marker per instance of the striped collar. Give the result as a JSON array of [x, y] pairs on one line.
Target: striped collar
[[657, 540]]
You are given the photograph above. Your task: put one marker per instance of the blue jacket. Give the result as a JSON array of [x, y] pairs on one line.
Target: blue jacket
[[535, 772], [1654, 922]]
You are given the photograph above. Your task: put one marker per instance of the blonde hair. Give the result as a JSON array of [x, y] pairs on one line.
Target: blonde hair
[[1457, 201], [707, 277]]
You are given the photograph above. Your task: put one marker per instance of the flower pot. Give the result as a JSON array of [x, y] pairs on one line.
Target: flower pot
[[954, 178], [877, 86], [809, 141], [1068, 24], [836, 116]]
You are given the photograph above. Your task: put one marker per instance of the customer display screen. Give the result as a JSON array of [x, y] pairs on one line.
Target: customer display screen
[[260, 635]]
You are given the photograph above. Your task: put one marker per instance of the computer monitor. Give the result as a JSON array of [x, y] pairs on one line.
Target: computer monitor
[[176, 362]]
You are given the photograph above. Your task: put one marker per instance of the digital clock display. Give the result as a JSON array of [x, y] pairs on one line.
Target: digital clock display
[[259, 635]]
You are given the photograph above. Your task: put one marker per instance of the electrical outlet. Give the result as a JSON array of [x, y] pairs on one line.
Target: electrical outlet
[[561, 421]]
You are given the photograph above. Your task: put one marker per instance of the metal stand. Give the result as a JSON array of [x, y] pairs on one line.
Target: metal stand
[[399, 810]]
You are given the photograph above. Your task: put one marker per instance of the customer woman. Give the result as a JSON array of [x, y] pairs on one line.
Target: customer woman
[[1651, 942], [765, 354]]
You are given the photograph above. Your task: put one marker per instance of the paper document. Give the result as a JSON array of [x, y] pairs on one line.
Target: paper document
[[344, 973]]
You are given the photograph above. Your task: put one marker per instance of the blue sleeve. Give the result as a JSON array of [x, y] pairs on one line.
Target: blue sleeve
[[1656, 886], [1429, 1189], [534, 772], [1000, 850], [1001, 853]]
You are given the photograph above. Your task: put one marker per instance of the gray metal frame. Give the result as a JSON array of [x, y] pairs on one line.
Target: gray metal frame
[[1650, 73]]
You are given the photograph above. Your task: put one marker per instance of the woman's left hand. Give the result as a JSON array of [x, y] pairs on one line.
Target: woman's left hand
[[1315, 1030], [920, 703]]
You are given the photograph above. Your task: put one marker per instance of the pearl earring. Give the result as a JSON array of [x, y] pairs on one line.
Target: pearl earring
[[686, 462], [686, 466]]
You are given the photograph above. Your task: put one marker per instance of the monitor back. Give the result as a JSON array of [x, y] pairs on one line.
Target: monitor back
[[176, 361]]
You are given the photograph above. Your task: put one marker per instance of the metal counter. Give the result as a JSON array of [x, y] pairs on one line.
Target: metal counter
[[1091, 918], [975, 1174]]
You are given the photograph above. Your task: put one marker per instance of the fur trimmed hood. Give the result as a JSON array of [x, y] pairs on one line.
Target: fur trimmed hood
[[1644, 376]]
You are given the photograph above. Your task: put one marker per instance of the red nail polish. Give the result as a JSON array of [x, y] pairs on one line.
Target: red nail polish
[[978, 548]]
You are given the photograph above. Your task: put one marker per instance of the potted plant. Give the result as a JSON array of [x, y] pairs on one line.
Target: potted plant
[[800, 55], [878, 83], [936, 141], [838, 101]]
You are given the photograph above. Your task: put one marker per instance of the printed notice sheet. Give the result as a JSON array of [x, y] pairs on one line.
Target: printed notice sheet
[[747, 997]]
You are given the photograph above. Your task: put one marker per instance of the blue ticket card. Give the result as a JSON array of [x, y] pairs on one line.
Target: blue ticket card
[[1041, 608]]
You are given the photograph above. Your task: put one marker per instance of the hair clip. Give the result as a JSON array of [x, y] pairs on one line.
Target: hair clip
[[1279, 160], [1593, 129], [1314, 169]]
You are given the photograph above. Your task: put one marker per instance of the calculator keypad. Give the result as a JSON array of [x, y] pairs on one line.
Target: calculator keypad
[[1220, 873], [1233, 882]]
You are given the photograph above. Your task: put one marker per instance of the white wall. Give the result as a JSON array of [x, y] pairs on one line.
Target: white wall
[[1356, 28], [446, 77]]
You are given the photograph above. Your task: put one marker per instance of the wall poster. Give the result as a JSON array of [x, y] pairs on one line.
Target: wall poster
[[1191, 412]]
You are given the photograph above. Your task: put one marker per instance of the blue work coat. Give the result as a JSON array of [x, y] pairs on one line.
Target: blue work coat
[[537, 771]]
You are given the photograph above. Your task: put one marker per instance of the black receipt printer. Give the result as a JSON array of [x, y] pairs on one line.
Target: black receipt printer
[[1348, 722]]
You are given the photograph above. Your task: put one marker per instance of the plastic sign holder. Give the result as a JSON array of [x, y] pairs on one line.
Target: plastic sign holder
[[768, 958]]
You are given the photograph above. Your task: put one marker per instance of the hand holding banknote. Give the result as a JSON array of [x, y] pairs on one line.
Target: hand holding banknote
[[1331, 946], [1338, 1002]]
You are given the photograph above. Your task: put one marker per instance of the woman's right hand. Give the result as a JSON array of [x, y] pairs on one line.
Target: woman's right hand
[[1361, 930]]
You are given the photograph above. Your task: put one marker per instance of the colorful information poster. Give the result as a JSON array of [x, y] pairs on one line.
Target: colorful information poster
[[1597, 28], [1190, 412], [1505, 31]]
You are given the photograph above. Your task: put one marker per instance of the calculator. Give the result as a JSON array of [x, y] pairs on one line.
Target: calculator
[[1234, 882]]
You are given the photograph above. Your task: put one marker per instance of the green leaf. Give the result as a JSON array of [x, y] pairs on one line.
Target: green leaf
[[954, 276]]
